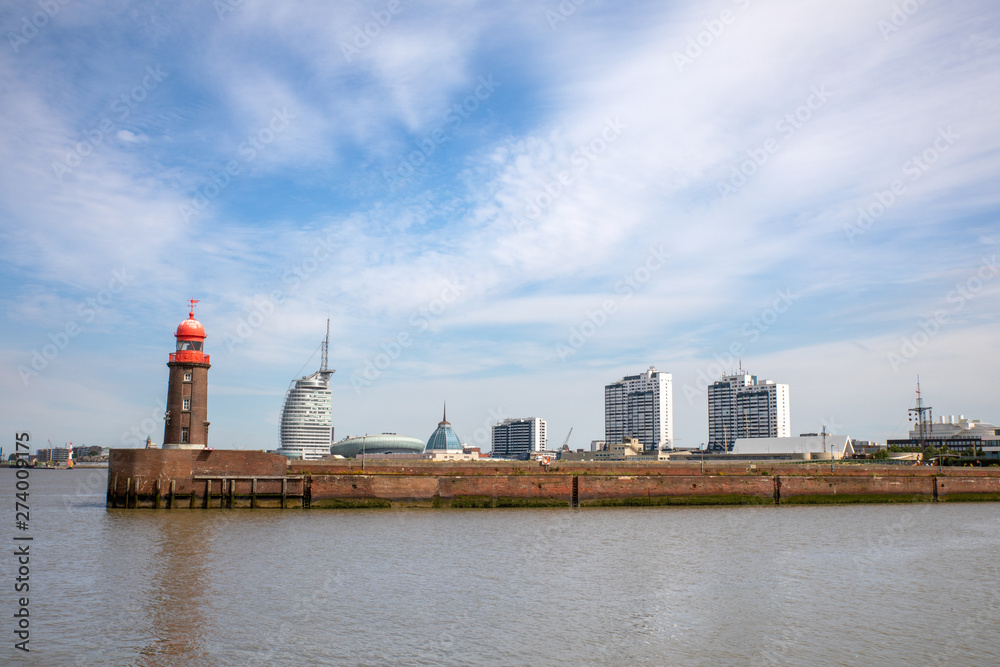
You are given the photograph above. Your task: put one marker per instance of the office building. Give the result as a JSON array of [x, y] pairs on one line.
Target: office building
[[517, 438], [741, 406], [641, 407]]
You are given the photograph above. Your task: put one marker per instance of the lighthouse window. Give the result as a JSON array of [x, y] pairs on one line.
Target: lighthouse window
[[187, 376], [187, 404], [184, 435], [189, 345]]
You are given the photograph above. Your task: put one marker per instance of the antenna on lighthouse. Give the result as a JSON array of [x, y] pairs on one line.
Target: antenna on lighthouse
[[192, 303]]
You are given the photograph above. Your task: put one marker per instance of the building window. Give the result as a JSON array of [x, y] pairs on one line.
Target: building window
[[184, 435], [187, 376], [187, 404]]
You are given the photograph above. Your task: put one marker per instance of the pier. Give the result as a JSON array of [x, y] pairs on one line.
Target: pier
[[233, 479]]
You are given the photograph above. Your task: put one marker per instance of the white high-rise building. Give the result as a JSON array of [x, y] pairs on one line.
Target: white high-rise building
[[640, 406], [741, 406], [516, 438], [307, 416]]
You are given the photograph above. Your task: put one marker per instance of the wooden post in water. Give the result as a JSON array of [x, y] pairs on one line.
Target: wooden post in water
[[128, 489], [253, 493], [156, 499], [114, 492], [208, 493], [173, 488], [222, 493], [284, 491]]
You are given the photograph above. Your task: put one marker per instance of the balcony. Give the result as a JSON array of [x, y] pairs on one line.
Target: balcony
[[189, 356]]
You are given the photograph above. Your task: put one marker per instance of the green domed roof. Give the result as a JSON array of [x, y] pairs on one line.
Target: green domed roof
[[382, 443]]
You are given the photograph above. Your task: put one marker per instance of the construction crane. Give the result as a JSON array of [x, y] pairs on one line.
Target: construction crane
[[565, 444]]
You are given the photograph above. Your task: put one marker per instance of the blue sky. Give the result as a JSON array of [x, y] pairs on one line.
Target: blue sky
[[502, 206]]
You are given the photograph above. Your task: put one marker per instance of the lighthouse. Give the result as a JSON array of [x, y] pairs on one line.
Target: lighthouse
[[186, 418]]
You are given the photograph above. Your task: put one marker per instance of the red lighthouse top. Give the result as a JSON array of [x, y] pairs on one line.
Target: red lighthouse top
[[190, 329], [190, 339]]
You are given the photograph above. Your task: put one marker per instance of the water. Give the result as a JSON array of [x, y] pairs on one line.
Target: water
[[873, 585]]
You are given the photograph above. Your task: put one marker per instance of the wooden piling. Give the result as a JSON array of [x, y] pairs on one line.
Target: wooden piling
[[114, 492], [173, 489]]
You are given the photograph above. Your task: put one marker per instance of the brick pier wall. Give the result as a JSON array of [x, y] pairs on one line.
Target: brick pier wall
[[143, 478]]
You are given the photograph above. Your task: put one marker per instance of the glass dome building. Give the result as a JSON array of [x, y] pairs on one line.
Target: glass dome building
[[382, 443], [444, 438]]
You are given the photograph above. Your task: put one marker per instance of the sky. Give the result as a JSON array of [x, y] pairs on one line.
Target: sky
[[501, 206]]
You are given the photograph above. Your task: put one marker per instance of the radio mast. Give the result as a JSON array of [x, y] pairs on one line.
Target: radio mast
[[923, 425]]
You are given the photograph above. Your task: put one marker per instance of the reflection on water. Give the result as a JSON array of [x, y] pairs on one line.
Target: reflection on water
[[879, 584], [176, 603]]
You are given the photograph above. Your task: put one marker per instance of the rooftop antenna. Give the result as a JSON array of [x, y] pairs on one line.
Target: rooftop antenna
[[923, 425], [323, 369], [192, 303]]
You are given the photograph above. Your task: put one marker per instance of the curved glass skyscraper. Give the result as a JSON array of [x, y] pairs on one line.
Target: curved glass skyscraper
[[307, 416]]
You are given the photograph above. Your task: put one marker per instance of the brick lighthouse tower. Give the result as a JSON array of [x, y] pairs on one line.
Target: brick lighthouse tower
[[186, 418]]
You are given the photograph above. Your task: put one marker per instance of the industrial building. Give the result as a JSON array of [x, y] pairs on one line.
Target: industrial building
[[808, 445], [958, 434]]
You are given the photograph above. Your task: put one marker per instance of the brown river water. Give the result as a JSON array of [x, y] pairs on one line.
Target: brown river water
[[830, 585]]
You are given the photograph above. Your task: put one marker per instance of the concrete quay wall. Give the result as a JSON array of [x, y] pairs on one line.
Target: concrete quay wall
[[233, 478]]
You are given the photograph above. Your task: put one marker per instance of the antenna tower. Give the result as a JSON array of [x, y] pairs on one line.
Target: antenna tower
[[917, 414], [324, 357]]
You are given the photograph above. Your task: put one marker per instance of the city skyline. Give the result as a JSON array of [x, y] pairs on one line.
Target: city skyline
[[506, 208]]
